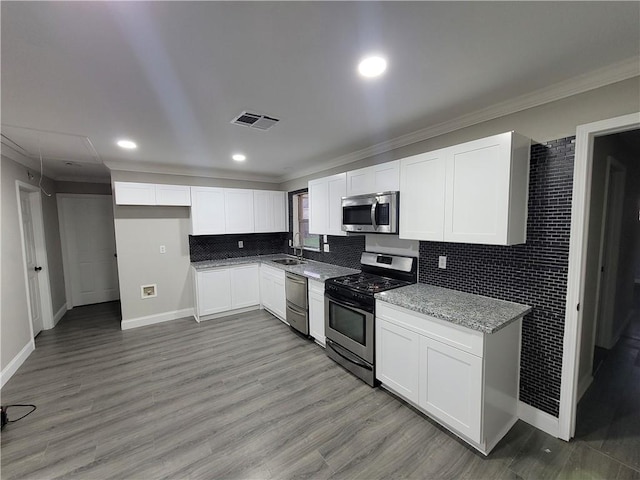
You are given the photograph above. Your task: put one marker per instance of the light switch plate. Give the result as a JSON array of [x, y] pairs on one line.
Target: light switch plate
[[442, 261]]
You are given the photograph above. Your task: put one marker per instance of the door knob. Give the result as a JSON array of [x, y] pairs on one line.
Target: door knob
[[37, 269]]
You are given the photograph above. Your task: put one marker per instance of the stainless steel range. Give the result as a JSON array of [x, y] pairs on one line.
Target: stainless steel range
[[350, 309]]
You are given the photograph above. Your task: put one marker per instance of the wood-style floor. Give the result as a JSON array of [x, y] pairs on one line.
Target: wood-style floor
[[245, 397]]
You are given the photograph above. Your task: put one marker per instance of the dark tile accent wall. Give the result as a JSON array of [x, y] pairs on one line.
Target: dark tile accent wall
[[534, 273], [218, 247], [345, 251]]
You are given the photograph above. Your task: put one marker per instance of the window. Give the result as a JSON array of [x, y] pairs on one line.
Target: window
[[301, 223]]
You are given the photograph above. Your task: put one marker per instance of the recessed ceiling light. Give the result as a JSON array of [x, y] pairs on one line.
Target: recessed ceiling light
[[372, 66], [127, 144], [238, 157]]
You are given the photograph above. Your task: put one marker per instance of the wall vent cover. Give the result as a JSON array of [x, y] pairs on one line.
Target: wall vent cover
[[255, 120]]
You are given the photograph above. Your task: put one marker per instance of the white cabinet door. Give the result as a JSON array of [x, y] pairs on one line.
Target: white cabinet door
[[131, 193], [325, 204], [269, 211], [316, 311], [272, 291], [207, 211], [375, 179], [337, 188], [451, 386], [477, 191], [245, 286], [318, 206], [397, 358], [213, 291], [279, 295], [239, 217], [387, 177], [422, 196], [178, 195]]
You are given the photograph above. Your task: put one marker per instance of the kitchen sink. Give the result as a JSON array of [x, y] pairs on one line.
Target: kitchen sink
[[289, 261]]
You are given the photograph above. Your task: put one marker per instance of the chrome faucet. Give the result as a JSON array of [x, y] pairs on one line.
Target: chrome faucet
[[298, 245]]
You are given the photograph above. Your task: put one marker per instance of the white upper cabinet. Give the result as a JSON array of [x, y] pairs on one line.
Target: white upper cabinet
[[487, 190], [207, 211], [132, 193], [475, 192], [270, 211], [377, 178], [325, 204], [238, 210], [422, 196], [177, 195]]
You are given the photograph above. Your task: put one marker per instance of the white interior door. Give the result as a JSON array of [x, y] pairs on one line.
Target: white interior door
[[31, 261], [609, 253], [89, 247]]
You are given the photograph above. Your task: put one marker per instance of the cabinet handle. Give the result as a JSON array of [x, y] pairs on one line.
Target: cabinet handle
[[37, 269]]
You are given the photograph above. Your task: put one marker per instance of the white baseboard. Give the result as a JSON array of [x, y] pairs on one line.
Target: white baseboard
[[539, 419], [157, 318], [59, 314], [16, 362], [583, 385]]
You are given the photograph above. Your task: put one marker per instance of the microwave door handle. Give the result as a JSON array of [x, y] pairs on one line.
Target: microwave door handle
[[374, 207]]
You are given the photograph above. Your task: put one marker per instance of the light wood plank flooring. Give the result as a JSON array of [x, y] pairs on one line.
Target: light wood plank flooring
[[245, 397]]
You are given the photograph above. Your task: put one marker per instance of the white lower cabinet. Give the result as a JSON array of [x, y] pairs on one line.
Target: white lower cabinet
[[451, 386], [316, 311], [272, 289], [225, 290], [397, 348], [462, 378]]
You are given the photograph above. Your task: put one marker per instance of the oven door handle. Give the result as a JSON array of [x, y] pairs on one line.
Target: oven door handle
[[374, 207], [346, 303], [349, 358]]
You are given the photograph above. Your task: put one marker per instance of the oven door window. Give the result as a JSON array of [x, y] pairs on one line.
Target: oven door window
[[356, 215], [348, 322]]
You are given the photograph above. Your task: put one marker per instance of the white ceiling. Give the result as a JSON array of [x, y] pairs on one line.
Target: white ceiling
[[76, 76]]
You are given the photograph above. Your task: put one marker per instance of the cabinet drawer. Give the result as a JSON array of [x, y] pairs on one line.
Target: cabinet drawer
[[458, 337]]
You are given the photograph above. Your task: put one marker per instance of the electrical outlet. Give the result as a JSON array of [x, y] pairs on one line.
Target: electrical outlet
[[326, 247], [163, 249], [442, 261], [240, 244], [149, 291]]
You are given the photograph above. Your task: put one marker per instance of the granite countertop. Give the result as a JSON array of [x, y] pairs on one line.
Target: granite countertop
[[311, 269], [487, 315]]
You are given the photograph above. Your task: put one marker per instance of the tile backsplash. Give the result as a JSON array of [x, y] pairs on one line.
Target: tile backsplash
[[534, 273], [219, 247]]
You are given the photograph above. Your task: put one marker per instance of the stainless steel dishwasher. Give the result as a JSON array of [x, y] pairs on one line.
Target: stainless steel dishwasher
[[297, 304]]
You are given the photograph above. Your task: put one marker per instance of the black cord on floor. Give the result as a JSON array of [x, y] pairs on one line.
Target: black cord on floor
[[5, 416]]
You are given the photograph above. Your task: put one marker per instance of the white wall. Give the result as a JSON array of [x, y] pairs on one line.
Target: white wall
[[14, 320], [139, 233], [551, 121]]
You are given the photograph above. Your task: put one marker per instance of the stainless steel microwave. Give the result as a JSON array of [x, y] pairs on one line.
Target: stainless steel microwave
[[371, 213]]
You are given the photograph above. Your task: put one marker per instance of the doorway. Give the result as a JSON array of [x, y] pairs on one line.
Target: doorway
[[576, 336], [88, 248], [34, 254]]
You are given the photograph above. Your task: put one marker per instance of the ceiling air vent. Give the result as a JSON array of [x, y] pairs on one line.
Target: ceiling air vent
[[254, 120]]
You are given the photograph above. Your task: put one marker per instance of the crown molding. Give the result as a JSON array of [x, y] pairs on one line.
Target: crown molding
[[155, 168], [614, 73]]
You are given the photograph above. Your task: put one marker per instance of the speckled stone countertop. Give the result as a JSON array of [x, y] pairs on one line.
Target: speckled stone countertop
[[484, 314], [311, 269]]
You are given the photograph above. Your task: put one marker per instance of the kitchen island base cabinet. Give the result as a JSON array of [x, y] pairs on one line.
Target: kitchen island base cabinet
[[464, 379], [225, 291], [273, 294]]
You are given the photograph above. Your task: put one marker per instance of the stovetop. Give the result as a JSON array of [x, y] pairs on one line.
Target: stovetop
[[368, 283]]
